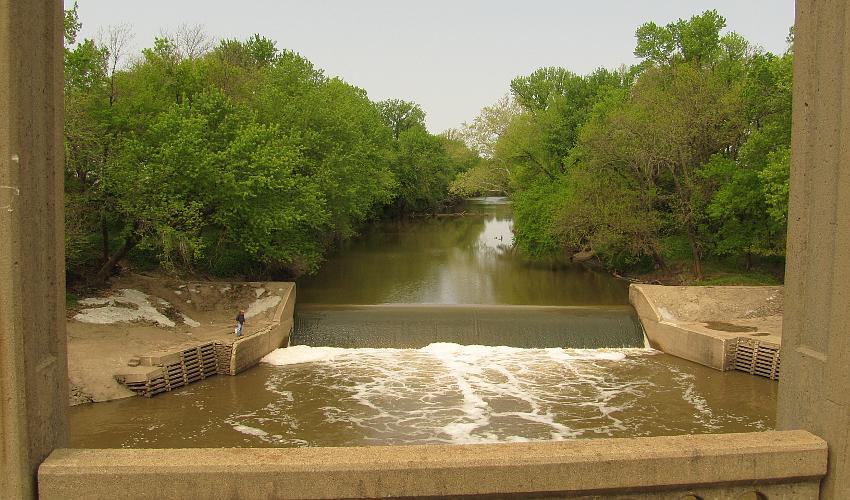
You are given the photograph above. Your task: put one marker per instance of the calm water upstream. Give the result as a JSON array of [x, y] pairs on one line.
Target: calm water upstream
[[453, 260], [409, 335]]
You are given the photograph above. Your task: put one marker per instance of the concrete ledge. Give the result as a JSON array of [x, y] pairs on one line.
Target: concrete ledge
[[248, 351], [703, 324], [687, 344], [788, 463], [182, 364]]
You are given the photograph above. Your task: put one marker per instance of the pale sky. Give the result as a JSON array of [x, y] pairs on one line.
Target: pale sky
[[450, 57]]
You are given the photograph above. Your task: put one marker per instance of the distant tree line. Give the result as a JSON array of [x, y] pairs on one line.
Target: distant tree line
[[231, 158], [682, 157]]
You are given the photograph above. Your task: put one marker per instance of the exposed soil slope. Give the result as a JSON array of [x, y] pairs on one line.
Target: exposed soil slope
[[140, 314]]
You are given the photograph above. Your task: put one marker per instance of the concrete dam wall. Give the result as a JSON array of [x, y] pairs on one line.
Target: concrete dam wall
[[415, 326]]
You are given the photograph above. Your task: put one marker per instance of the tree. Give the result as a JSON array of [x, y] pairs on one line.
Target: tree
[[71, 25], [241, 159], [86, 138], [696, 40], [484, 178], [115, 40], [267, 206], [536, 91], [671, 125], [263, 52], [190, 41], [423, 171], [484, 131], [400, 115], [749, 206], [618, 162]]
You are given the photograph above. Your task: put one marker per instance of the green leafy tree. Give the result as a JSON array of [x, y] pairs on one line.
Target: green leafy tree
[[400, 115], [696, 40], [670, 127], [749, 206], [423, 170], [691, 144], [235, 159]]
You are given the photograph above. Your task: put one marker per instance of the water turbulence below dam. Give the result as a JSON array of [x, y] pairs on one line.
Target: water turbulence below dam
[[442, 393], [434, 331]]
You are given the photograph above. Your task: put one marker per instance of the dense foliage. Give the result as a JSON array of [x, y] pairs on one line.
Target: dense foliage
[[684, 156], [240, 158], [231, 158]]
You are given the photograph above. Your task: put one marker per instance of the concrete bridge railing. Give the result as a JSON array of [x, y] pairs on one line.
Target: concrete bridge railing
[[767, 465]]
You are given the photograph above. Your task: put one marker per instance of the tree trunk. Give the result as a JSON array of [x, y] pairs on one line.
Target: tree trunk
[[748, 262], [657, 260], [106, 269], [104, 234], [692, 238]]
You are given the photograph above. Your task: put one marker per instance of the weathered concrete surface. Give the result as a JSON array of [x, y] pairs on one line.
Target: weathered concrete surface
[[815, 390], [786, 465], [150, 320], [697, 323], [269, 330], [248, 351], [33, 371]]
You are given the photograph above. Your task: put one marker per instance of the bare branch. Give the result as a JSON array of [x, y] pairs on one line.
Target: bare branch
[[116, 39], [191, 41]]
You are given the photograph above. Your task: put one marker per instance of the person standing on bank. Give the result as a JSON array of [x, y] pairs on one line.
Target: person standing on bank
[[240, 322]]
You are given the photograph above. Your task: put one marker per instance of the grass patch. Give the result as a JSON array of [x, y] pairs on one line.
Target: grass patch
[[716, 272], [741, 279], [72, 302]]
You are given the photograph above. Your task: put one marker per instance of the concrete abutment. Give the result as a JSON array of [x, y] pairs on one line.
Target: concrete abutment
[[724, 327], [181, 365]]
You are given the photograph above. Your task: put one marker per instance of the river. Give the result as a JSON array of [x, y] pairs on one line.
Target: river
[[411, 334]]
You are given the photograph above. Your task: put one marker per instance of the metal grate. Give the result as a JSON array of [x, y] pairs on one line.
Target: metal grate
[[757, 357], [196, 363]]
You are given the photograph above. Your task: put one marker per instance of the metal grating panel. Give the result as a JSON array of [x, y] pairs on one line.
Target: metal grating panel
[[196, 363], [757, 357]]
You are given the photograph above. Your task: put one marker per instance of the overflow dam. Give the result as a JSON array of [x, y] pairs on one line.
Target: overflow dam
[[415, 326], [435, 331]]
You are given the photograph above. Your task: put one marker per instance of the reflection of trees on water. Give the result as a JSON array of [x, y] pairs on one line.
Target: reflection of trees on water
[[452, 260]]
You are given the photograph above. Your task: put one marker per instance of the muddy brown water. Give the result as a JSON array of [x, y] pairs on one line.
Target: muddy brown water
[[410, 335]]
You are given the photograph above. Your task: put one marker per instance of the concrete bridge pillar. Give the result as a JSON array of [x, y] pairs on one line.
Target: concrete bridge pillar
[[814, 392], [33, 360]]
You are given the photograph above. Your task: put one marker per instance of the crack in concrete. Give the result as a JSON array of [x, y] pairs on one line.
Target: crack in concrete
[[15, 192]]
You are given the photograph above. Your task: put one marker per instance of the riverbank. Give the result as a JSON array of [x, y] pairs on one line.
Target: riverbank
[[680, 273], [140, 314]]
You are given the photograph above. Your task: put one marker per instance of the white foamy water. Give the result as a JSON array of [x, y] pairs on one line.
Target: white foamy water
[[251, 431], [453, 393], [443, 393], [304, 354], [307, 354]]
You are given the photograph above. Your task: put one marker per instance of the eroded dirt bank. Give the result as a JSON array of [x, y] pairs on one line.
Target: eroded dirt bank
[[139, 314]]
